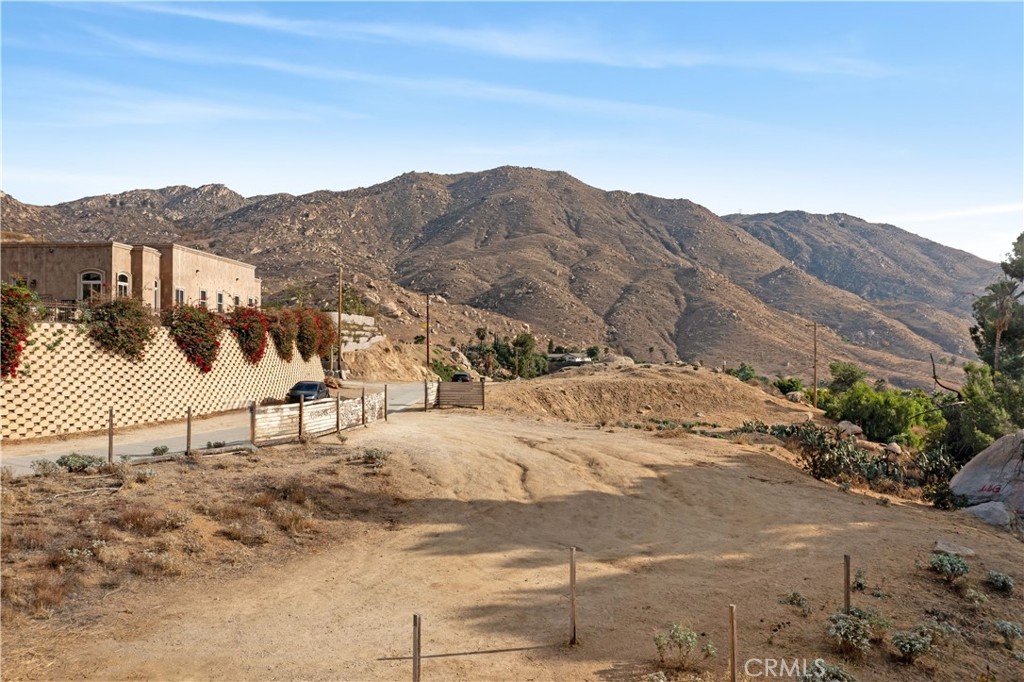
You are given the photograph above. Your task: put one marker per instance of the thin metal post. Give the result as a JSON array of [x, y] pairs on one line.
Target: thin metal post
[[385, 402], [363, 400], [572, 595], [252, 422], [483, 394], [188, 431], [302, 413], [417, 627], [425, 395]]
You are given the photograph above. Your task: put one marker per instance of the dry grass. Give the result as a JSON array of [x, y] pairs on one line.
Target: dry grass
[[140, 519]]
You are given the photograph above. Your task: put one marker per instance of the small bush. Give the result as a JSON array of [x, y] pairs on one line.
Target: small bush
[[974, 597], [140, 519], [18, 314], [877, 623], [44, 467], [943, 497], [744, 372], [123, 326], [77, 463], [859, 581], [949, 566], [684, 640], [798, 600], [820, 671], [1009, 631], [1000, 582], [787, 385], [160, 450], [851, 634], [911, 645]]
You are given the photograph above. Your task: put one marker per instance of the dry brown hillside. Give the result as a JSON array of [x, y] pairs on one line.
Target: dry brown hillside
[[658, 278]]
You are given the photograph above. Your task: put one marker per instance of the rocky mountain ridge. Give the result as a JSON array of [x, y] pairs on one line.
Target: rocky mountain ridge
[[658, 278]]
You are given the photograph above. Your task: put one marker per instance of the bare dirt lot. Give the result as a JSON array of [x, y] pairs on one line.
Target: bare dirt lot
[[308, 562]]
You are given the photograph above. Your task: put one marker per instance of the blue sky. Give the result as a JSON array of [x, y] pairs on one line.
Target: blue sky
[[909, 113]]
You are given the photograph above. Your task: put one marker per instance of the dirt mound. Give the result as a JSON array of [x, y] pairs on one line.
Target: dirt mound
[[635, 394]]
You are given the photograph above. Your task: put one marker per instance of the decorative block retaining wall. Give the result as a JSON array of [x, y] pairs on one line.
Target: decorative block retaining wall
[[66, 383]]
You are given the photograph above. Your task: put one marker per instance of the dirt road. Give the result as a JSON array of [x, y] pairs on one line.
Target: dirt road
[[469, 525]]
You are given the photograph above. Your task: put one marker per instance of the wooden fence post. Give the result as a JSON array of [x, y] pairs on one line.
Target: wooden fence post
[[110, 435], [252, 422], [302, 414], [363, 400], [417, 627], [385, 402], [483, 395], [337, 413], [846, 584], [188, 431], [572, 596], [733, 657]]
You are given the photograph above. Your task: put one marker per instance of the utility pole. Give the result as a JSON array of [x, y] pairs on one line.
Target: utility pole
[[341, 304], [814, 374], [428, 332]]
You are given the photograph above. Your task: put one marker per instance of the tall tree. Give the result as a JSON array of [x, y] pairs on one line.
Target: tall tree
[[998, 332]]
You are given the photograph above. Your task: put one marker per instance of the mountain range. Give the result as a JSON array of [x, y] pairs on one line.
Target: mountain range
[[659, 279]]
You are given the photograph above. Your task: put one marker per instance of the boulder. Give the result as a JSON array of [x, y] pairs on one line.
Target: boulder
[[943, 547], [849, 428], [996, 474], [894, 448], [795, 396], [390, 309], [995, 513]]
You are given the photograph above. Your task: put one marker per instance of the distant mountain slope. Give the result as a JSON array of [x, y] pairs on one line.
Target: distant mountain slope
[[659, 278]]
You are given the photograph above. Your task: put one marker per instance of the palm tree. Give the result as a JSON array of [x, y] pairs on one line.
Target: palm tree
[[998, 308]]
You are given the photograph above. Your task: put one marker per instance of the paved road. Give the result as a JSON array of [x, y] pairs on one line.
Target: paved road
[[230, 428]]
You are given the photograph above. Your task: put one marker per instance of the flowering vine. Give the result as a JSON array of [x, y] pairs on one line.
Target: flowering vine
[[196, 331], [249, 325]]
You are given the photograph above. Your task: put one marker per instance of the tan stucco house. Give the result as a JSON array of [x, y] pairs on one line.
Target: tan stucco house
[[162, 275]]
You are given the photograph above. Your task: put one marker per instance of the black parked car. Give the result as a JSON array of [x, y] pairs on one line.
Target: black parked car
[[461, 376], [310, 390]]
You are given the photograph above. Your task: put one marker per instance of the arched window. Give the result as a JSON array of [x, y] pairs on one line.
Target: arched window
[[91, 284], [124, 288]]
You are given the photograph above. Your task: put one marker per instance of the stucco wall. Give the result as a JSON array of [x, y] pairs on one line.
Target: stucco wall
[[66, 383], [56, 268], [192, 271]]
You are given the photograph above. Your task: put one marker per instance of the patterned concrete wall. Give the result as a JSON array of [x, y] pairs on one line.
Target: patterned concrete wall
[[66, 383]]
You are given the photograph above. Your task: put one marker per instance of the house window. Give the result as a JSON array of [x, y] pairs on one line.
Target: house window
[[202, 298], [123, 285], [91, 285], [179, 297], [238, 301], [156, 295], [252, 301], [220, 302]]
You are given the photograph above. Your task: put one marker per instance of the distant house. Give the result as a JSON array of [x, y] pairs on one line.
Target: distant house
[[161, 275], [568, 359]]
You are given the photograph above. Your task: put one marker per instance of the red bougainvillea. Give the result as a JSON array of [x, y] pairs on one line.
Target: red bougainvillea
[[308, 338], [327, 334], [197, 333], [17, 316], [283, 326], [249, 325]]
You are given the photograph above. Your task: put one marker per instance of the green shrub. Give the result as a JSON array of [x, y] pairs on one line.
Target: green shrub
[[45, 467], [943, 497], [787, 385], [859, 581], [744, 372], [1009, 631], [851, 634], [1000, 582], [684, 640], [798, 600], [77, 463], [876, 622], [160, 450], [886, 415], [911, 645], [844, 376], [820, 671], [949, 566], [123, 326]]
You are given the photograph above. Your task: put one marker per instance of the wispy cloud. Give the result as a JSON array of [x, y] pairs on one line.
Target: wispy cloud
[[453, 87], [539, 44], [954, 214]]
